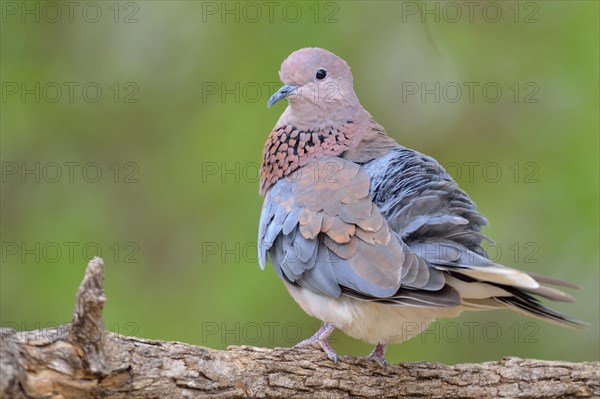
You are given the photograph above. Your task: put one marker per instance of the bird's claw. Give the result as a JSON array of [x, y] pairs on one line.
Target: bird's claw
[[379, 360], [321, 338], [329, 351], [378, 356]]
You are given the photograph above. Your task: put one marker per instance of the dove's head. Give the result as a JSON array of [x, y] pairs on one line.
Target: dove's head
[[317, 81]]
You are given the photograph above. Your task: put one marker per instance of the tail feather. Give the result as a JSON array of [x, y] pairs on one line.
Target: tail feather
[[553, 281], [531, 307], [514, 294], [552, 294]]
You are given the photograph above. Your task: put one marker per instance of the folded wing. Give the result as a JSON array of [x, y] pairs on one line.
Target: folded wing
[[323, 232]]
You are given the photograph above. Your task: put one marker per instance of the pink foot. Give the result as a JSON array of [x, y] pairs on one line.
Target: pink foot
[[378, 355], [321, 337]]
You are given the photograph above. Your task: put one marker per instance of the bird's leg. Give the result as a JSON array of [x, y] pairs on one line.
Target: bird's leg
[[378, 355], [321, 337]]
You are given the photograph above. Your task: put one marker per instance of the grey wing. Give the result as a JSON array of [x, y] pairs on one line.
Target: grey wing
[[328, 236], [440, 224]]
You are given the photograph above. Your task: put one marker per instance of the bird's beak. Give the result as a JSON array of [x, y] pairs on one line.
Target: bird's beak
[[284, 92]]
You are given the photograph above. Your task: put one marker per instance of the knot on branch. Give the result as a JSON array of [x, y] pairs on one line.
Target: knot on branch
[[87, 328]]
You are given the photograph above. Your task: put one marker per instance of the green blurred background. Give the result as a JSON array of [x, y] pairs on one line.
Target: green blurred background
[[178, 131]]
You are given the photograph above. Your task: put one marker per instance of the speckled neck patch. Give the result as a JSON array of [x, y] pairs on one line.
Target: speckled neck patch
[[289, 148]]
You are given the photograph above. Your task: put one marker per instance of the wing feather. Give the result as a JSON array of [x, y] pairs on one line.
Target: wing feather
[[396, 230]]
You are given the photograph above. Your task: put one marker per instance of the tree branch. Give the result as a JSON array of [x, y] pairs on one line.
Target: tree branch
[[81, 360]]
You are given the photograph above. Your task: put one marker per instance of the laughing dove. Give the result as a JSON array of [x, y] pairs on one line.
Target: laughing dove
[[370, 237]]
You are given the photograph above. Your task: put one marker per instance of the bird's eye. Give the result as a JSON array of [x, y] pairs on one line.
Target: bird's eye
[[321, 74]]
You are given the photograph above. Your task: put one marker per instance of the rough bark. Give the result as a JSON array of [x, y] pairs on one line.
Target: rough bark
[[81, 360]]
